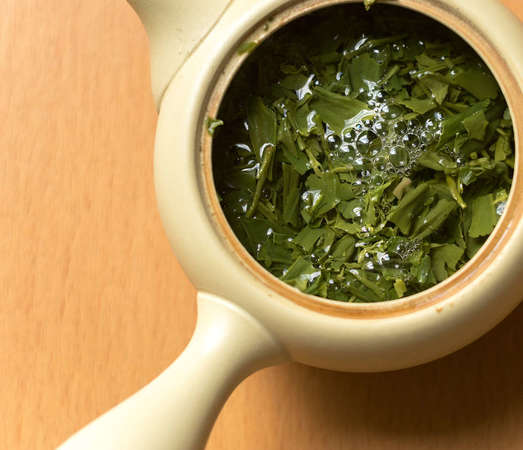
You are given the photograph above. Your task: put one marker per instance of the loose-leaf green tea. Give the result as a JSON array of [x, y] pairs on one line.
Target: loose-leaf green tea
[[363, 156]]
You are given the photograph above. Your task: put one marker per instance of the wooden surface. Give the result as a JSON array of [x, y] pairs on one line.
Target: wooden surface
[[93, 303]]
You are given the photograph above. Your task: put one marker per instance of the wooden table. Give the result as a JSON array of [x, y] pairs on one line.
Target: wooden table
[[93, 303]]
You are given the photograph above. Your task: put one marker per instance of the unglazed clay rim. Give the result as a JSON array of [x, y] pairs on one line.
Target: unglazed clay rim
[[480, 42]]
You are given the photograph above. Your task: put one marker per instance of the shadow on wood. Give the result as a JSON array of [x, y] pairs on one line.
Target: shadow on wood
[[444, 402]]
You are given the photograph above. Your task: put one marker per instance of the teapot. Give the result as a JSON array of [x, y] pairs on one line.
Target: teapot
[[248, 319]]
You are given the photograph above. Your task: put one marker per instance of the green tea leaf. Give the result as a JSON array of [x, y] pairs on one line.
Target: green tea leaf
[[437, 161], [263, 128], [364, 71], [454, 124], [428, 224], [484, 217], [478, 82], [290, 153], [445, 260], [344, 248], [347, 227], [476, 125], [301, 273], [502, 149], [212, 124], [439, 89], [323, 193], [368, 4], [420, 106], [338, 111], [271, 253], [400, 287], [291, 195], [406, 210], [247, 47], [308, 237]]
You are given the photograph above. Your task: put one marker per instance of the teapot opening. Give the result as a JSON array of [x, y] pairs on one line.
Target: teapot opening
[[268, 29]]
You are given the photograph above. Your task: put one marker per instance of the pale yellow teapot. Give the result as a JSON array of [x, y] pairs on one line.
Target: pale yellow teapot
[[248, 319]]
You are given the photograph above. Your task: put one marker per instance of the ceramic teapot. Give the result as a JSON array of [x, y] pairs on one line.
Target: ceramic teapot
[[248, 319]]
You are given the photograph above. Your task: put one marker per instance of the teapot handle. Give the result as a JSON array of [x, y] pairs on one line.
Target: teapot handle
[[175, 29], [177, 410]]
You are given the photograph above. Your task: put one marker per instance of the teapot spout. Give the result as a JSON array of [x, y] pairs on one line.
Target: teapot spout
[[175, 29]]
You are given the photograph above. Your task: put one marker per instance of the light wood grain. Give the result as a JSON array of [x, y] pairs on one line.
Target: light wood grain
[[93, 303]]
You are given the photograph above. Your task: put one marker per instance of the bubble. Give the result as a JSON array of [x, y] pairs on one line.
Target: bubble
[[426, 137], [363, 143], [359, 162], [411, 140], [367, 141], [413, 123], [367, 165], [383, 257], [377, 179], [349, 151], [398, 49], [399, 156], [400, 127], [380, 128], [379, 95], [334, 141], [380, 162], [438, 115], [392, 112], [430, 124], [350, 135]]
